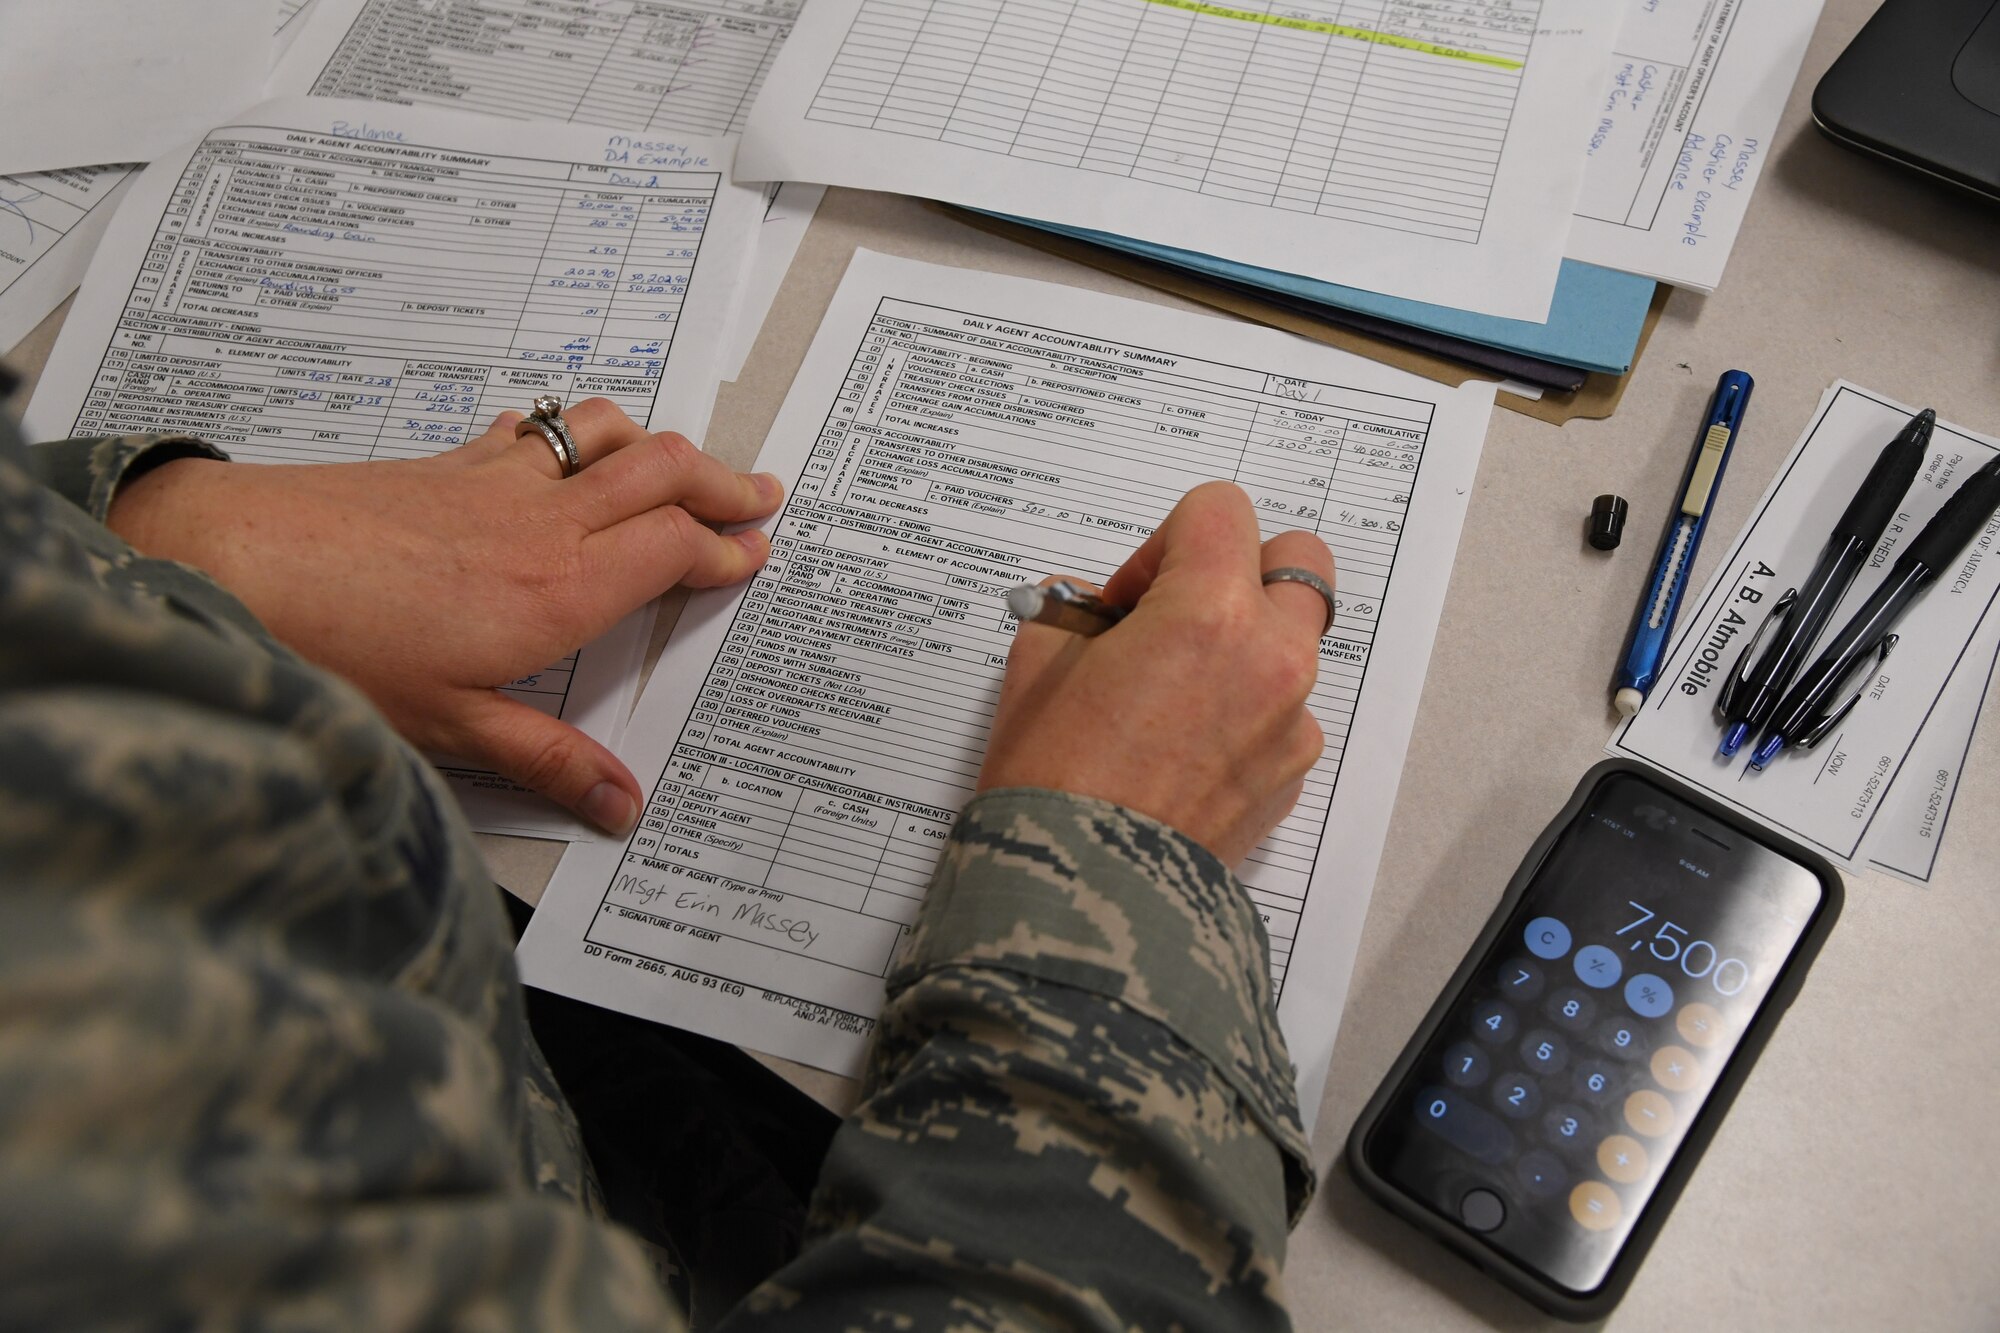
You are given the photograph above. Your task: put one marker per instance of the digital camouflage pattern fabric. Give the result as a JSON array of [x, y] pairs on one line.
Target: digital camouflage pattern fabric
[[1079, 1114], [262, 1054], [263, 1060]]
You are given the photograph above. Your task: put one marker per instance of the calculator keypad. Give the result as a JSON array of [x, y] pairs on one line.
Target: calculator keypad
[[1574, 1079], [1466, 1065], [1543, 1052], [1516, 1096], [1555, 1092], [1495, 1023], [1571, 1008], [1522, 980]]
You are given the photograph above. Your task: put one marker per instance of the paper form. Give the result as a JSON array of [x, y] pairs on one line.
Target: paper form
[[326, 281], [680, 66], [689, 65], [813, 734], [1905, 837], [1832, 796], [1426, 149], [50, 222], [1681, 133], [86, 82]]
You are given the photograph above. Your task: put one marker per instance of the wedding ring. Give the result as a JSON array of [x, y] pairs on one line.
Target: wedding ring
[[546, 420], [1293, 574]]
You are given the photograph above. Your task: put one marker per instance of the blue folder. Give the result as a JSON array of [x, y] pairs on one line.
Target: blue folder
[[1594, 321]]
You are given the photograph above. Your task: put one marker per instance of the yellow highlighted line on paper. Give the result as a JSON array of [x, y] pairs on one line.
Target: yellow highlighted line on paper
[[1341, 30]]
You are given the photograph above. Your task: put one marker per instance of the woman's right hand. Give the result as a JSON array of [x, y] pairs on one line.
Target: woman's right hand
[[1191, 709]]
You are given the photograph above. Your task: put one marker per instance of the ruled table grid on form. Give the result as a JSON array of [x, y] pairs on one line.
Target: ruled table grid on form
[[1660, 79], [843, 720], [401, 336], [690, 65], [1391, 113]]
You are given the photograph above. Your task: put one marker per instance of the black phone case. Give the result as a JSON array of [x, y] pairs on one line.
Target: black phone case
[[1560, 1301]]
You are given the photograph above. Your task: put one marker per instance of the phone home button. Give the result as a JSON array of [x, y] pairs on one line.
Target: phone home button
[[1482, 1210]]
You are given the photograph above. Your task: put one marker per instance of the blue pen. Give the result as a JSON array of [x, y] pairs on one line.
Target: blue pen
[[1653, 624]]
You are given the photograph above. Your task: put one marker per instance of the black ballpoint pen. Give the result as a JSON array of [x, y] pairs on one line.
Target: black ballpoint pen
[[1754, 688], [1802, 718]]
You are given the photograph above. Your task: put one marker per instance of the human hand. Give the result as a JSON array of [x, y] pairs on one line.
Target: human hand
[[1192, 708], [431, 582]]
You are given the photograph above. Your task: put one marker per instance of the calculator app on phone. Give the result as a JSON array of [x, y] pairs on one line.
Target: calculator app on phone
[[1547, 1105]]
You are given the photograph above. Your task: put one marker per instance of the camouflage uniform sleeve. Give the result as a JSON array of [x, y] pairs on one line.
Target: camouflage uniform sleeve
[[88, 472], [1078, 1111], [263, 1057]]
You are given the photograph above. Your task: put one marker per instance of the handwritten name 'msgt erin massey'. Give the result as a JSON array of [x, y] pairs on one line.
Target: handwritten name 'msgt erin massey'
[[798, 929]]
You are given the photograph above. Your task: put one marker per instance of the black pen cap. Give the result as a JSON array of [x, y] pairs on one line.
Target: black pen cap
[[1869, 512], [1607, 522], [1954, 526]]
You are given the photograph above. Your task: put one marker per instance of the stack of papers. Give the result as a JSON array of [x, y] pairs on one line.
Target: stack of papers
[[308, 314], [451, 206], [324, 281], [688, 67], [1403, 168], [659, 72], [1372, 169]]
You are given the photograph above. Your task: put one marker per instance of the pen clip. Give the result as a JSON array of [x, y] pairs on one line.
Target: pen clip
[[1707, 467], [1739, 678], [1815, 733]]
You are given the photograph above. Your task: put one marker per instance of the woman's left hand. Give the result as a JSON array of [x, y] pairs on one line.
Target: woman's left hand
[[430, 583]]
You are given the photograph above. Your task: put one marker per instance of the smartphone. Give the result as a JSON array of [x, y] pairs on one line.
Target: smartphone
[[1558, 1095]]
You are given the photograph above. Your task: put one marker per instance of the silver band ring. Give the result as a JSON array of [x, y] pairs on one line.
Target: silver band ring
[[546, 420], [571, 454], [543, 429], [1293, 574]]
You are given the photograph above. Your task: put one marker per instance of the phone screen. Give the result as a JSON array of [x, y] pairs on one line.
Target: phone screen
[[1544, 1112]]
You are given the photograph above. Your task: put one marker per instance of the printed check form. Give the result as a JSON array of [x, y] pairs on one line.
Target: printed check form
[[1682, 132], [1411, 147], [1877, 793], [808, 738], [325, 281]]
